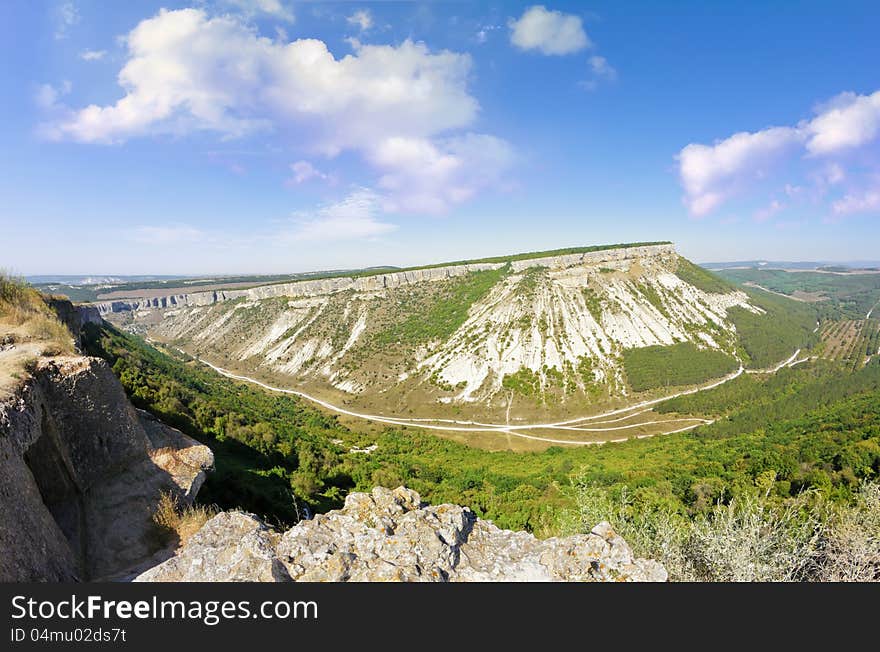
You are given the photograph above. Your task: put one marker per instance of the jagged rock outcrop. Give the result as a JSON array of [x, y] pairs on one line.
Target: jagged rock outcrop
[[392, 536], [81, 473]]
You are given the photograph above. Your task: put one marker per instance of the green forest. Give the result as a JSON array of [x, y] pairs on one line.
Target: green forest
[[683, 363], [772, 336], [842, 295], [815, 427]]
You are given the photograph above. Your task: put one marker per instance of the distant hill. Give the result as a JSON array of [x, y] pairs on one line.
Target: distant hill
[[789, 264], [517, 337]]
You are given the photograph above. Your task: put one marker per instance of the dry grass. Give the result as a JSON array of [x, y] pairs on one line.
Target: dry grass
[[180, 522], [852, 546], [751, 538], [24, 313]]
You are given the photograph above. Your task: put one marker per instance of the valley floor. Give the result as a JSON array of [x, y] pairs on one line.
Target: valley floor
[[636, 421]]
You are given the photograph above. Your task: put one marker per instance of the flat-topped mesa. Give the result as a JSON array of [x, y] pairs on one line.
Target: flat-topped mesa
[[377, 282], [592, 258]]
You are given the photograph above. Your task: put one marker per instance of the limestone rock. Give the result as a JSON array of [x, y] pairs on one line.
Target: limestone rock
[[231, 547], [389, 535], [81, 476]]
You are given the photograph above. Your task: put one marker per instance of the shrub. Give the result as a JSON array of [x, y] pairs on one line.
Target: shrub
[[179, 522], [754, 537], [851, 551]]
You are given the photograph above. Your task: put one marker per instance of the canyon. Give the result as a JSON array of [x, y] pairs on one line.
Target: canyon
[[506, 341]]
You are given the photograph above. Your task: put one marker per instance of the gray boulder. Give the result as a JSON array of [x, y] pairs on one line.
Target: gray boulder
[[389, 535]]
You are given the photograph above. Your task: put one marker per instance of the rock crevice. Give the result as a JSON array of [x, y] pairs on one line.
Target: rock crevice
[[81, 473]]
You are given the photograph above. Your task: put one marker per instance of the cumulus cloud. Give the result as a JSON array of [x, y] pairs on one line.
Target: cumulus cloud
[[549, 32], [355, 217], [362, 19], [252, 8], [92, 55], [186, 71], [712, 174], [415, 167], [848, 121], [304, 171]]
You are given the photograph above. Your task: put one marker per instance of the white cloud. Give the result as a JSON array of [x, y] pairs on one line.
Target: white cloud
[[353, 218], [710, 174], [169, 234], [764, 214], [550, 32], [834, 174], [601, 67], [64, 16], [92, 55], [421, 176], [46, 96], [304, 171], [252, 8], [483, 32], [868, 202], [362, 19], [186, 71], [848, 121]]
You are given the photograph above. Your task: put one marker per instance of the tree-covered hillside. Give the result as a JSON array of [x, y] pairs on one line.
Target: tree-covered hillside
[[277, 454]]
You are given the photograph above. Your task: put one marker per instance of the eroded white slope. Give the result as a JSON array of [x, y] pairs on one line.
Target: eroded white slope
[[554, 328], [568, 320]]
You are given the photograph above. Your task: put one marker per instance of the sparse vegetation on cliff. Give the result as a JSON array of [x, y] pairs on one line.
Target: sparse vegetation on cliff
[[437, 316], [26, 315], [701, 278], [176, 522]]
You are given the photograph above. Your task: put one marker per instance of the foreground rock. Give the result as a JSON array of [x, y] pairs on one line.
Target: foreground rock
[[81, 473], [391, 536]]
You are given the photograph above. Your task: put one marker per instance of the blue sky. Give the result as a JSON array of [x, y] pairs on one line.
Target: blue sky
[[245, 136]]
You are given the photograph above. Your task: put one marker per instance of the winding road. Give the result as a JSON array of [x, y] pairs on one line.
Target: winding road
[[516, 430]]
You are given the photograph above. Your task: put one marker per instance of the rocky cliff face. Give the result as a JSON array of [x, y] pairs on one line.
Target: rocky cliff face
[[297, 289], [392, 536], [81, 473]]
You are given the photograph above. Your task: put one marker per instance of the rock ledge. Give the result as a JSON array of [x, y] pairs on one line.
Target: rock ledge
[[390, 535]]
